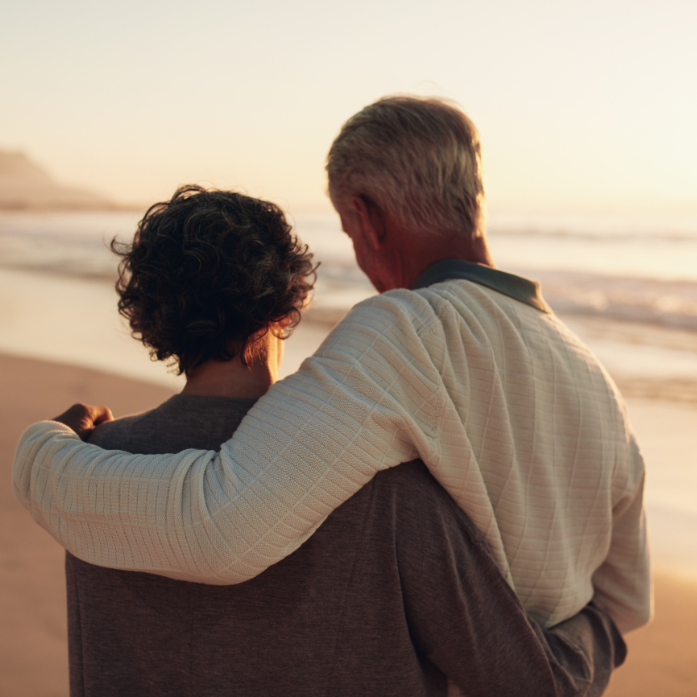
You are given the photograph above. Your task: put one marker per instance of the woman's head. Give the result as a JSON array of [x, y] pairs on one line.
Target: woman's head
[[208, 274]]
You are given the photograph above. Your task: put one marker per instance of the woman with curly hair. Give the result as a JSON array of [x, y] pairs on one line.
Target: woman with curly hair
[[214, 280]]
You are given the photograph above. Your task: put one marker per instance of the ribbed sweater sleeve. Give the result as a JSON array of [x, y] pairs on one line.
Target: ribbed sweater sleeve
[[363, 403]]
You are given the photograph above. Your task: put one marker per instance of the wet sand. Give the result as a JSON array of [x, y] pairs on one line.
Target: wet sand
[[33, 653]]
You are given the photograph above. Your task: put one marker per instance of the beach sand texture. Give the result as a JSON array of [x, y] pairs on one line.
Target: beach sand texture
[[33, 653]]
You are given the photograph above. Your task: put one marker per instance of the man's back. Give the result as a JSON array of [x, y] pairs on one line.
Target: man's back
[[393, 592], [548, 467]]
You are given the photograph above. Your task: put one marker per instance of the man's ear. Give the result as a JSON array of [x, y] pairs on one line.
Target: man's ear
[[372, 221]]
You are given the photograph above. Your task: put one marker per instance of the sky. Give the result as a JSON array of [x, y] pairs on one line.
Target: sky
[[579, 104]]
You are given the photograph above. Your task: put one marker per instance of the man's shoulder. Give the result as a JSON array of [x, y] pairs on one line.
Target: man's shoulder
[[391, 309], [401, 311]]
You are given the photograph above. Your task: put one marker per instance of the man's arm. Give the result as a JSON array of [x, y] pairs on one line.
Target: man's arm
[[368, 400], [583, 651]]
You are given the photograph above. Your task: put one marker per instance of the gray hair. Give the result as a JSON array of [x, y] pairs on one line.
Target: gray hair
[[418, 159]]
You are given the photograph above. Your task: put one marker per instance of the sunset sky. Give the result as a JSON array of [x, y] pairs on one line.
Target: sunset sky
[[590, 103]]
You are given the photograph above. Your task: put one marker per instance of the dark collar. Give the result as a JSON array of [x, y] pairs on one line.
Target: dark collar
[[515, 287]]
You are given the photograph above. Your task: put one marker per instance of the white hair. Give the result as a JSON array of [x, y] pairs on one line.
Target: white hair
[[417, 158]]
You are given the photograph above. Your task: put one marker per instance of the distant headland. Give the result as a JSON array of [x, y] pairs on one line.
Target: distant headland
[[24, 185]]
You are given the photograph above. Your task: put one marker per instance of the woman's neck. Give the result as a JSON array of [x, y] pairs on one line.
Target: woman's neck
[[233, 379]]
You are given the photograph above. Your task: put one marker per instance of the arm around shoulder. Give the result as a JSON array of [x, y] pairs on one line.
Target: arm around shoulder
[[364, 402]]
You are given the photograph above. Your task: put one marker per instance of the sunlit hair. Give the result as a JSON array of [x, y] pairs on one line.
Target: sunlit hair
[[418, 159], [208, 274]]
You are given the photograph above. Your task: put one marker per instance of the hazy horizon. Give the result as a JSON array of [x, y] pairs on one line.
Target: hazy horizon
[[579, 105]]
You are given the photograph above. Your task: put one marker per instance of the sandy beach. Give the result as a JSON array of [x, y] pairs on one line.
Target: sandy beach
[[33, 653]]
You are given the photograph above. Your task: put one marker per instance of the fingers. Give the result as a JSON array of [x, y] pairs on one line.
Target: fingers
[[100, 415], [83, 418]]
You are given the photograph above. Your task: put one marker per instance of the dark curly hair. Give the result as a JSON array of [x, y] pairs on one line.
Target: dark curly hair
[[208, 274]]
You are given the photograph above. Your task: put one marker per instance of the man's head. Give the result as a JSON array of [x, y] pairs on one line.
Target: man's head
[[208, 274], [418, 160]]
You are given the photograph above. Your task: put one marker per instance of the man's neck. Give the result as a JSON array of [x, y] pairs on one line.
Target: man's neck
[[422, 251]]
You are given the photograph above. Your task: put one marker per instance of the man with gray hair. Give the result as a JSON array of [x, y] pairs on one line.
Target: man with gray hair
[[456, 362], [421, 159]]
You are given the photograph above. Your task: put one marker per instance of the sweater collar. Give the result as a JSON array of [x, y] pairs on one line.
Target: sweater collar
[[515, 287]]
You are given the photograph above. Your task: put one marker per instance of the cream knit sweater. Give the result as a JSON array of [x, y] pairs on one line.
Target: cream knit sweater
[[511, 412]]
